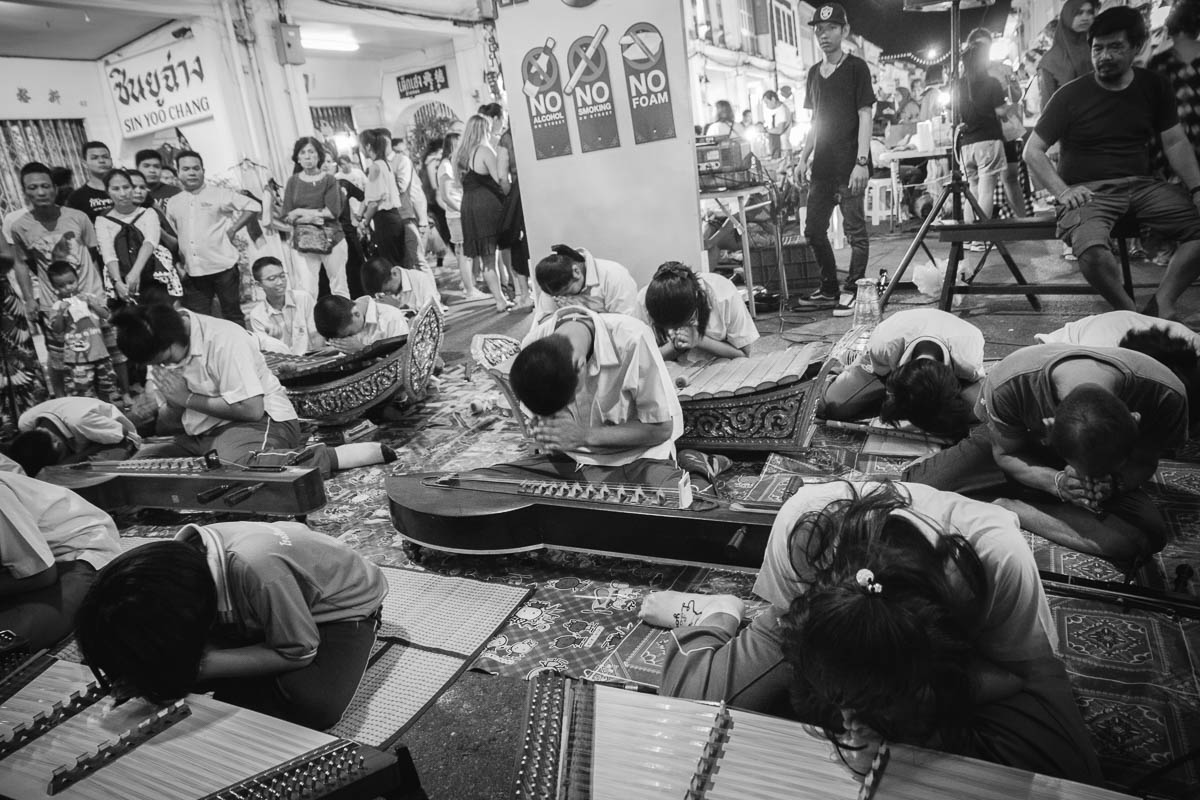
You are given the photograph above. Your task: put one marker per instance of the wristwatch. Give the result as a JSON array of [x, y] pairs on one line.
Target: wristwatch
[[861, 161]]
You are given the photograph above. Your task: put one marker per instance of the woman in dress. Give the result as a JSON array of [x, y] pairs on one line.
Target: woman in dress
[[313, 197], [382, 199], [450, 196], [514, 249], [478, 170]]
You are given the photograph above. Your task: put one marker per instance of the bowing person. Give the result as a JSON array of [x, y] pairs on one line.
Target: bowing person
[[922, 365], [351, 325], [272, 617], [701, 314], [67, 430], [572, 276], [52, 542], [1072, 435], [604, 408], [897, 612], [209, 378]]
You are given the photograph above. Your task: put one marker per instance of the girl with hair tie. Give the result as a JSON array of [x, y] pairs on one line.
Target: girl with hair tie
[[690, 312], [897, 612]]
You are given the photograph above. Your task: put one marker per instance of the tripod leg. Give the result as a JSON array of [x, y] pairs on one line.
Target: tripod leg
[[1032, 297], [917, 243], [947, 301]]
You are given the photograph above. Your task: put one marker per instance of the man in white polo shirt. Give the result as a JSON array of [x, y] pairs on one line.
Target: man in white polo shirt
[[604, 407], [207, 218], [574, 277]]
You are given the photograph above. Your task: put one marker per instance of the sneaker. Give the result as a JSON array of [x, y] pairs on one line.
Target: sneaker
[[845, 305], [977, 247], [475, 296], [818, 299]]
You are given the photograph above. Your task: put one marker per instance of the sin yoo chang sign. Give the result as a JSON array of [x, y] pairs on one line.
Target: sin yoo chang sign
[[161, 89]]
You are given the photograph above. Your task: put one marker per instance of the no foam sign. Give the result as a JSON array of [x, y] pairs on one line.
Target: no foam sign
[[542, 84], [649, 86]]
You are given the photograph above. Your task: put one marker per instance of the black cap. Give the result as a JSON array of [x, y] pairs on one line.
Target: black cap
[[830, 12]]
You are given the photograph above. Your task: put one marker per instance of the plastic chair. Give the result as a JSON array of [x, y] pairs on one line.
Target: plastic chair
[[880, 200]]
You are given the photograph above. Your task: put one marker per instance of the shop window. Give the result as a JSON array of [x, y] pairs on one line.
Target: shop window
[[337, 119], [785, 24], [54, 142]]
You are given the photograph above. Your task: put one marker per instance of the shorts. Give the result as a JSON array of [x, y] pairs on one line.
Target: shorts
[[1165, 208], [983, 157], [456, 232]]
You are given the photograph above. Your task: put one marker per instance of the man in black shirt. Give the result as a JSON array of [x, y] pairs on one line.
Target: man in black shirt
[[150, 164], [840, 96], [92, 198], [1105, 123]]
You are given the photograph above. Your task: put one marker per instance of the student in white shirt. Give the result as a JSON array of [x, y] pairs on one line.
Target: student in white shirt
[[574, 277], [922, 365], [605, 409], [67, 430], [52, 543], [701, 314], [209, 377], [284, 314], [404, 288], [351, 325]]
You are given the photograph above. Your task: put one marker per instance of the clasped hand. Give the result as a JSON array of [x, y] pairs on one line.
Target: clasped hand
[[1085, 492], [859, 744], [559, 432], [172, 387], [685, 338]]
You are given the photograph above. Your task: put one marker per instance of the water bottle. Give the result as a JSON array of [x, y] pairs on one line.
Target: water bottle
[[866, 304]]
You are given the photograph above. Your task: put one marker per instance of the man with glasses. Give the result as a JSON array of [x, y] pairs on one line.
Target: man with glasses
[[574, 277], [1104, 123], [285, 314]]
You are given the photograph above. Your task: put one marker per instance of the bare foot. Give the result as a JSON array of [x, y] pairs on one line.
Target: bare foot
[[684, 609]]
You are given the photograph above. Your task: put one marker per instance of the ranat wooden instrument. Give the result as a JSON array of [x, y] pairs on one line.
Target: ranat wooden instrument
[[62, 736], [193, 484], [760, 403], [466, 513], [588, 742]]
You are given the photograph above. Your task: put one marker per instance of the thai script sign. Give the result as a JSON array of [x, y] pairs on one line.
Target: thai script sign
[[427, 81], [162, 88]]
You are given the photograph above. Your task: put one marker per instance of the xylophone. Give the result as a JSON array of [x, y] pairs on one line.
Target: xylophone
[[466, 513], [193, 484], [335, 389], [588, 742], [758, 403], [63, 736]]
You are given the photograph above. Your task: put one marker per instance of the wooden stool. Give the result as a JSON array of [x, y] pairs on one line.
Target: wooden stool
[[1022, 230]]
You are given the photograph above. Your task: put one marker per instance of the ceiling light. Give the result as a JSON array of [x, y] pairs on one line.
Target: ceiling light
[[330, 42]]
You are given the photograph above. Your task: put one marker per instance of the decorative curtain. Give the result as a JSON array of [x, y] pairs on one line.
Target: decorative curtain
[[54, 142]]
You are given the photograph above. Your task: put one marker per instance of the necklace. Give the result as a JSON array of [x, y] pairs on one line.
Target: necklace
[[828, 69]]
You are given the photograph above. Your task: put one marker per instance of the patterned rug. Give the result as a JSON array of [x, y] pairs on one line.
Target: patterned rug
[[581, 619]]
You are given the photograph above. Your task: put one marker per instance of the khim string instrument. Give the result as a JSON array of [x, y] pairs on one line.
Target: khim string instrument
[[587, 742], [62, 735], [193, 484], [467, 513]]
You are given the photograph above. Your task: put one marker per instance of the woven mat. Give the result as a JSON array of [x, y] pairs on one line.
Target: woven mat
[[433, 627]]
